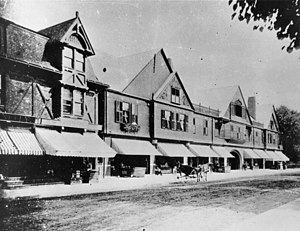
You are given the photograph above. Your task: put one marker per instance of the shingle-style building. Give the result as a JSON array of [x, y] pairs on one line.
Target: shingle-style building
[[54, 108], [49, 102]]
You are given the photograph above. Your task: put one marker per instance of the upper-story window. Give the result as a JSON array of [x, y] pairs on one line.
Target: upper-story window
[[175, 95], [238, 109], [168, 121], [205, 127], [72, 102], [194, 125], [239, 134], [73, 59], [126, 112], [272, 125]]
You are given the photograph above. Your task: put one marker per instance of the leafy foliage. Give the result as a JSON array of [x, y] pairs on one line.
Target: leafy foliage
[[283, 16], [289, 125]]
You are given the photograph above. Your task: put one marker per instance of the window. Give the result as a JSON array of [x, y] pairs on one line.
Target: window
[[231, 131], [205, 127], [194, 125], [175, 95], [79, 62], [67, 101], [238, 134], [218, 126], [73, 59], [238, 110], [68, 57], [126, 112], [134, 113], [272, 124], [73, 101], [165, 119], [249, 131], [174, 121], [78, 103], [125, 109], [186, 123]]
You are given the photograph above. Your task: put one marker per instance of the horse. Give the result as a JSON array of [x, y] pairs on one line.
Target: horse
[[203, 170], [188, 171]]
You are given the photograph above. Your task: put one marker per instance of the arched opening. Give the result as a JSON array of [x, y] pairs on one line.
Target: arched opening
[[235, 162]]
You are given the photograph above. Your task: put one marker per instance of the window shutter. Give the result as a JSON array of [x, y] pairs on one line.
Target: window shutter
[[232, 106], [163, 119]]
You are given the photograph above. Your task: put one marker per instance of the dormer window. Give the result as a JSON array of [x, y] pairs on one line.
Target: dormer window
[[73, 59], [237, 109], [175, 95], [272, 124]]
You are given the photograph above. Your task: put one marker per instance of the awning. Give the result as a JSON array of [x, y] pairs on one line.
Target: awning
[[250, 154], [282, 156], [25, 141], [134, 147], [174, 150], [73, 144], [222, 152], [261, 153], [6, 145], [202, 150], [273, 156]]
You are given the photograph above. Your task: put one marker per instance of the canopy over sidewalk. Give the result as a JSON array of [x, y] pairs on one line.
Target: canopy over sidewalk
[[73, 144], [134, 147], [174, 150]]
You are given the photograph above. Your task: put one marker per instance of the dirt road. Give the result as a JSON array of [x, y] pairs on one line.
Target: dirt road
[[180, 206]]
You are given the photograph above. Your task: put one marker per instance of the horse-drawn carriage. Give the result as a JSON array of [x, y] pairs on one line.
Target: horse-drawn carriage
[[199, 172]]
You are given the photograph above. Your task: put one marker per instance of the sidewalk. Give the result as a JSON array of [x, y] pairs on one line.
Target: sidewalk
[[110, 184], [285, 217]]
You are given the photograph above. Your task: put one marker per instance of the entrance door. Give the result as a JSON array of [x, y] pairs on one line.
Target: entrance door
[[235, 162]]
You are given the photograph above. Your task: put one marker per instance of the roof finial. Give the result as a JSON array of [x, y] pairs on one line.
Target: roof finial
[[77, 14]]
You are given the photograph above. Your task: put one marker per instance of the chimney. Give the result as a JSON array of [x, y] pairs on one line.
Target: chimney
[[77, 14], [252, 106], [170, 63]]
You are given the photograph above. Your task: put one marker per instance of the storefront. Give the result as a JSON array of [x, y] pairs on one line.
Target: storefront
[[73, 155], [134, 157], [20, 154], [173, 154], [204, 153]]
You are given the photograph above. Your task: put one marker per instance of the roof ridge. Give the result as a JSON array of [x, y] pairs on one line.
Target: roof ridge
[[58, 24]]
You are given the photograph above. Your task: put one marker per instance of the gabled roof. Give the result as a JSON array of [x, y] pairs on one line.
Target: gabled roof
[[264, 114], [215, 98], [168, 81], [118, 72], [57, 32], [151, 77], [62, 31]]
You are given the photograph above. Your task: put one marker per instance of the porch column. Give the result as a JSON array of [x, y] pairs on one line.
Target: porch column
[[264, 163], [152, 163], [106, 167], [225, 161], [252, 162], [185, 160], [209, 159]]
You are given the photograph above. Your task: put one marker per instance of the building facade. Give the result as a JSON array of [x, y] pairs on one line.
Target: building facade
[[59, 120]]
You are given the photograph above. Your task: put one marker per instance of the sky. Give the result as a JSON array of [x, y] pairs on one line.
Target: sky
[[207, 48]]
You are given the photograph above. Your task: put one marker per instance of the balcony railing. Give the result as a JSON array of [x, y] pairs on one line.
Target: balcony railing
[[206, 110]]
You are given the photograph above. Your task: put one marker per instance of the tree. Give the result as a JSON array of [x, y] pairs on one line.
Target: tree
[[283, 16], [289, 126]]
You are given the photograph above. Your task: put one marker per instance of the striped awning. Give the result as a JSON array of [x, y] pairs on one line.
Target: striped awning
[[272, 155], [6, 144], [222, 152], [202, 150], [261, 153], [25, 141], [19, 141], [134, 147], [174, 150], [250, 154], [73, 144], [282, 156]]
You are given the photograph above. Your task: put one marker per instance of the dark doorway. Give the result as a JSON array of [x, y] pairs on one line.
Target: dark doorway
[[235, 162]]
